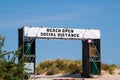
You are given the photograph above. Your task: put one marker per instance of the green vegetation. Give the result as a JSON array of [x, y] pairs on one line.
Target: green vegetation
[[51, 67], [10, 69], [109, 68]]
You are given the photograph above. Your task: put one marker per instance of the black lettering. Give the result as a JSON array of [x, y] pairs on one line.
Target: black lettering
[[69, 35], [41, 34], [72, 35], [77, 35], [72, 31], [48, 34], [53, 30], [48, 30], [67, 30]]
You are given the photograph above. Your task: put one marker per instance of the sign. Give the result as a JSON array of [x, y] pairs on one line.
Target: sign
[[29, 67], [61, 33]]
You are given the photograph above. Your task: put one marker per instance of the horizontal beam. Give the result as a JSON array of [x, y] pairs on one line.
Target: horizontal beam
[[61, 33]]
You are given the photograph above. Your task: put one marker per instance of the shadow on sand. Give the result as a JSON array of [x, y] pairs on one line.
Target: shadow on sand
[[76, 75]]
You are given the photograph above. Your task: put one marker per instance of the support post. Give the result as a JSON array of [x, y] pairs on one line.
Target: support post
[[91, 58]]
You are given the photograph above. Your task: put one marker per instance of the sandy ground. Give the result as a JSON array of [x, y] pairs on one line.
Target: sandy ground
[[107, 76], [104, 76]]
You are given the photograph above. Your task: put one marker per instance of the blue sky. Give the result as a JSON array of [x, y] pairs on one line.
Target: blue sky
[[102, 14]]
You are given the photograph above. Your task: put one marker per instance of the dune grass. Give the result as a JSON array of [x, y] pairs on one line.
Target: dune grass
[[52, 67]]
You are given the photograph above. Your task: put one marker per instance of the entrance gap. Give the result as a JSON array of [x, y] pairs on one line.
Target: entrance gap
[[53, 49]]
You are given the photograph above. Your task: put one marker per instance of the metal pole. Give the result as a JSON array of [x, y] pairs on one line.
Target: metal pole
[[34, 76]]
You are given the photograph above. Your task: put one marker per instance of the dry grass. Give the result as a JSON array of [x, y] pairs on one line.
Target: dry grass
[[51, 67], [109, 68], [57, 66]]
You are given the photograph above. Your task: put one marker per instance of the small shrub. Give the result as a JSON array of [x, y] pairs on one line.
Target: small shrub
[[109, 68], [52, 71], [74, 68]]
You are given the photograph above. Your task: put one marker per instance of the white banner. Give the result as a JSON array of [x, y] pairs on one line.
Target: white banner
[[61, 33]]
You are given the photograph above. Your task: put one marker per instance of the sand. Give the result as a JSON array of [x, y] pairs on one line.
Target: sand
[[105, 76]]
